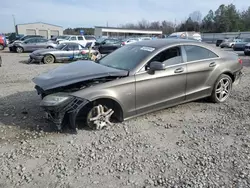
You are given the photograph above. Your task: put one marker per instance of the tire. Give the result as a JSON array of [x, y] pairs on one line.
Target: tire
[[221, 47], [246, 53], [19, 49], [49, 47], [48, 59], [222, 89], [232, 45], [90, 111], [1, 47]]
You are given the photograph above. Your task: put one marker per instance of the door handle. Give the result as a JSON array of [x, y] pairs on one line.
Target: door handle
[[179, 70], [212, 64]]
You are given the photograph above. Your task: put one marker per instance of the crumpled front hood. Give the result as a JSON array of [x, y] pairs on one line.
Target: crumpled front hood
[[75, 72]]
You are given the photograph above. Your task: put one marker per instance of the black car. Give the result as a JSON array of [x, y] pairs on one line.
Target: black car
[[107, 46], [218, 42]]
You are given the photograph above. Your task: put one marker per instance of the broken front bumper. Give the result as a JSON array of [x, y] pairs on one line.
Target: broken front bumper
[[64, 115]]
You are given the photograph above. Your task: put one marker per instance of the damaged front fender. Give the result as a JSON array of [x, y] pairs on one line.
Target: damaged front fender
[[64, 115]]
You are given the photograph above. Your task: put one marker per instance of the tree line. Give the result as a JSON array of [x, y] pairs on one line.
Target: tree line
[[225, 19]]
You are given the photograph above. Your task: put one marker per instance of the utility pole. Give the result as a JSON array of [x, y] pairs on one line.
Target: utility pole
[[14, 21], [175, 25]]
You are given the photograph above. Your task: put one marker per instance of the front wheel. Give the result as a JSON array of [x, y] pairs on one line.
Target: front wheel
[[1, 47], [99, 117], [222, 89], [19, 49], [247, 53], [48, 59]]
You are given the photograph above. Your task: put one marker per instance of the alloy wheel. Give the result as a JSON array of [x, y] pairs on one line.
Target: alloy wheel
[[223, 89], [99, 117], [19, 50]]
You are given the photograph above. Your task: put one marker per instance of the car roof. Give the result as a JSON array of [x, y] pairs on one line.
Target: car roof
[[159, 43]]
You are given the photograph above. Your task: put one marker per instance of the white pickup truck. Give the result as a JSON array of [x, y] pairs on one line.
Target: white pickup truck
[[83, 40]]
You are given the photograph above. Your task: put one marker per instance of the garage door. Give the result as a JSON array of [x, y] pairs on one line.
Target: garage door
[[54, 32], [30, 31], [43, 33]]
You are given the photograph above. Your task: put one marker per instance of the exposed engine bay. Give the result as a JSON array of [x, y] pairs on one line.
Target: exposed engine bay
[[74, 87]]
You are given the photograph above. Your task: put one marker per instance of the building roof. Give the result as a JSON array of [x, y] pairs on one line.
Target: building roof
[[39, 23], [101, 27]]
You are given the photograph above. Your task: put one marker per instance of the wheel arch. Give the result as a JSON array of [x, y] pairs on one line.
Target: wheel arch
[[229, 74], [109, 102]]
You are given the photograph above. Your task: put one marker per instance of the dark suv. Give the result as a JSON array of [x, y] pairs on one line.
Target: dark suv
[[12, 44]]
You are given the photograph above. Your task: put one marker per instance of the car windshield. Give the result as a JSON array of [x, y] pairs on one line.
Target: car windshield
[[60, 46], [126, 57]]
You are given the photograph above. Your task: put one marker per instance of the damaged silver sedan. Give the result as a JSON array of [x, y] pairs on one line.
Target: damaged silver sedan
[[136, 79]]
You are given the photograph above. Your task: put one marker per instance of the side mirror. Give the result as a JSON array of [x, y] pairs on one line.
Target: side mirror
[[156, 65], [103, 42]]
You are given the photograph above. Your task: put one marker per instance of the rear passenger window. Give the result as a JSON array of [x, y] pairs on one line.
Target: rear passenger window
[[80, 38], [195, 53], [73, 38]]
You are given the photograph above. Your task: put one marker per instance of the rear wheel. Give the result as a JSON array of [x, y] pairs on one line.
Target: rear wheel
[[222, 89], [19, 49], [49, 47], [1, 47], [48, 59], [247, 53]]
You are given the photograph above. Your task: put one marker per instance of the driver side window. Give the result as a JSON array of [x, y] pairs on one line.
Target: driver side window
[[171, 56]]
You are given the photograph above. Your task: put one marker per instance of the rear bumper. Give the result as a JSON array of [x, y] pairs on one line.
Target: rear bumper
[[238, 75]]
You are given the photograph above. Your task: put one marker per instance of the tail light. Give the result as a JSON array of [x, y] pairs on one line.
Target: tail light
[[123, 43], [83, 52], [240, 61]]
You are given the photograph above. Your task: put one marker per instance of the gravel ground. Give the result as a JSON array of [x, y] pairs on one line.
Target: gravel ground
[[198, 144]]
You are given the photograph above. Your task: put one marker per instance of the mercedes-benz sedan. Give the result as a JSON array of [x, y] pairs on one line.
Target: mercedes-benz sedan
[[136, 79]]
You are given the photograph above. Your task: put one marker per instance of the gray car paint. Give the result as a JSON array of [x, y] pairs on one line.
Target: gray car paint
[[75, 72], [142, 92], [30, 47]]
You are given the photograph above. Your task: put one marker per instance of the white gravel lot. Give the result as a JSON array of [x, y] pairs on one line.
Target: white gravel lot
[[199, 144]]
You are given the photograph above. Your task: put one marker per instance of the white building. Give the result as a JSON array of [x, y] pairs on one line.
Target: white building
[[39, 28], [123, 32]]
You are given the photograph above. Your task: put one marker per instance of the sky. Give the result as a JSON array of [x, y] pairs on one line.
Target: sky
[[90, 13]]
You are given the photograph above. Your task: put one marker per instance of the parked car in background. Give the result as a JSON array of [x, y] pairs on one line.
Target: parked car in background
[[67, 51], [13, 43], [229, 43], [136, 79], [83, 40], [247, 49], [14, 36], [186, 35], [107, 46], [129, 41], [144, 38], [32, 44], [240, 46], [218, 42], [3, 43]]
